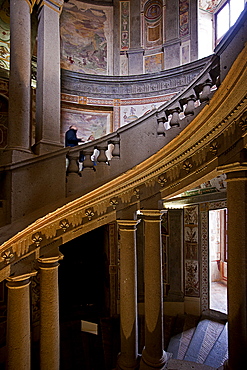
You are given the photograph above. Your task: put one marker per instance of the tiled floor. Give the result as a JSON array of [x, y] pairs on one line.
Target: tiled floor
[[218, 297]]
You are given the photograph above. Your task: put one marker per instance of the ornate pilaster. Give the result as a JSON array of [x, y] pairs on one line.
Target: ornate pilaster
[[153, 355], [48, 77], [18, 322], [49, 313], [128, 357], [237, 262]]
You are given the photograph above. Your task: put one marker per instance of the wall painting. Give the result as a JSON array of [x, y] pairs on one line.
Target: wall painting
[[184, 18], [191, 258], [96, 122], [124, 25], [86, 38]]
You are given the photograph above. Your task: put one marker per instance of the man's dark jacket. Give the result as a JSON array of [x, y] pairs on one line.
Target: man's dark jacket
[[71, 138]]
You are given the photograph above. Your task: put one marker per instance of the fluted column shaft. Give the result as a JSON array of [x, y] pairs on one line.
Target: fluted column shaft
[[153, 354], [48, 77], [20, 76], [49, 314], [128, 357], [18, 323], [237, 267]]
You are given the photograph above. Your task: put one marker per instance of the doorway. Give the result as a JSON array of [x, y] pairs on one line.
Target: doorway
[[218, 260], [82, 286]]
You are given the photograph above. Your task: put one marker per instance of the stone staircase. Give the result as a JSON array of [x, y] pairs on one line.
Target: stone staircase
[[205, 344]]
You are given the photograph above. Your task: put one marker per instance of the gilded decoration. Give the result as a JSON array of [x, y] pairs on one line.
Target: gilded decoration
[[8, 256]]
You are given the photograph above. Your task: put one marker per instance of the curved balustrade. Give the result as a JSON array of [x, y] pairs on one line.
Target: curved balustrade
[[135, 142], [123, 152]]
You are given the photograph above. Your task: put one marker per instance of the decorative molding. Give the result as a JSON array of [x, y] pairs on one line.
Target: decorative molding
[[124, 87]]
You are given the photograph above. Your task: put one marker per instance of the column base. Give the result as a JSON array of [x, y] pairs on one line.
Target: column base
[[123, 365], [148, 362]]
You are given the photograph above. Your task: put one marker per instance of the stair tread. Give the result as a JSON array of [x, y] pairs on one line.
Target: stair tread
[[174, 364], [219, 352], [206, 333], [179, 343]]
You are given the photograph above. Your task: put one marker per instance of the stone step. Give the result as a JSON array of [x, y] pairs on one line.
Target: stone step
[[203, 340], [219, 352], [174, 364], [179, 343]]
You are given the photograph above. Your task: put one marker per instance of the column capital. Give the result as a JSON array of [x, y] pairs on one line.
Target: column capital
[[128, 224], [50, 262], [233, 167], [56, 5], [152, 214], [20, 280]]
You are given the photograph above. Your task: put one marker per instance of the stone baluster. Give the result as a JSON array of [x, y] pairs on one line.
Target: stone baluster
[[20, 76], [48, 77], [102, 158], [116, 150], [73, 165], [18, 322], [161, 119], [128, 357], [153, 354], [88, 163], [175, 120], [49, 313], [190, 107], [206, 89]]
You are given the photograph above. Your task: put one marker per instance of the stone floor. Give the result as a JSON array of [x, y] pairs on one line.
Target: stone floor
[[186, 365], [218, 298]]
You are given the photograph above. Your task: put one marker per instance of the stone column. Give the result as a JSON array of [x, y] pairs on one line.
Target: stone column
[[48, 77], [128, 357], [175, 222], [153, 355], [237, 264], [20, 76], [49, 313], [18, 322]]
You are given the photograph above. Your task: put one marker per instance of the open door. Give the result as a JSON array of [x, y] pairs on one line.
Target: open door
[[218, 260]]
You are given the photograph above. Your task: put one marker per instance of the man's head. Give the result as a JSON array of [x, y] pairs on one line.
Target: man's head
[[73, 127]]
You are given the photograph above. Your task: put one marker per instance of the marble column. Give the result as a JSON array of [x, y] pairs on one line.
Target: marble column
[[18, 322], [20, 76], [153, 355], [237, 264], [128, 357], [48, 77], [49, 313]]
